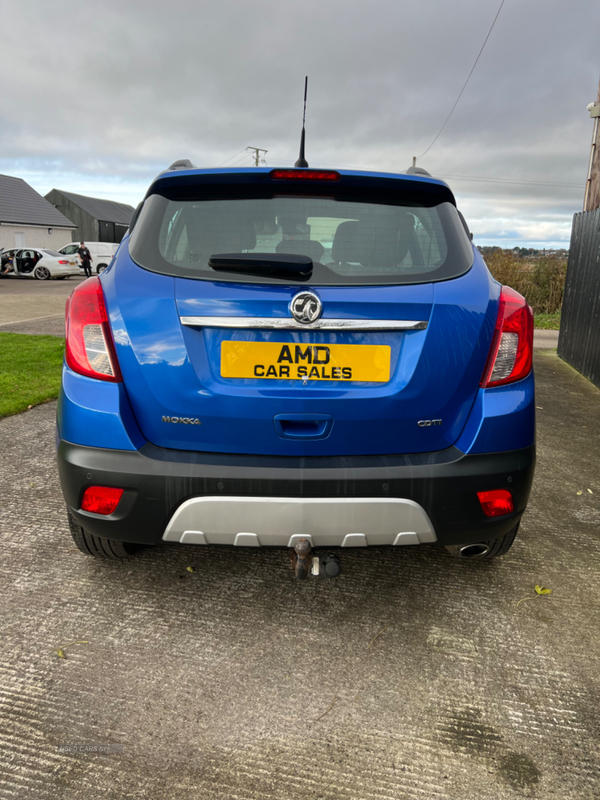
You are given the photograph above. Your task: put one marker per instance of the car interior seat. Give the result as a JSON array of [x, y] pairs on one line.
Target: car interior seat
[[301, 247]]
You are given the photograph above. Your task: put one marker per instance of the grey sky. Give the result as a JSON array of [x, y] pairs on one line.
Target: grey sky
[[100, 96]]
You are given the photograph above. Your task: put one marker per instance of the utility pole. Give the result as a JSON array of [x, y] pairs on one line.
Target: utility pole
[[257, 157], [591, 198]]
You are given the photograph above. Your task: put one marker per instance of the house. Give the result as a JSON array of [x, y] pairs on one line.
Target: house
[[27, 220], [96, 220]]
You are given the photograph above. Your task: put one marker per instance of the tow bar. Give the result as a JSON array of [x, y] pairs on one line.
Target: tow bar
[[306, 562]]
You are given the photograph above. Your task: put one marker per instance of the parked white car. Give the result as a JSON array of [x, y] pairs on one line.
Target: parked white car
[[37, 262], [101, 252]]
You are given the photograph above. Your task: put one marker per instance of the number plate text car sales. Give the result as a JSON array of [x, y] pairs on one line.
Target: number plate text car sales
[[320, 362]]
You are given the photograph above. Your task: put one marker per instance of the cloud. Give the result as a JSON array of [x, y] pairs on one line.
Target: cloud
[[110, 93]]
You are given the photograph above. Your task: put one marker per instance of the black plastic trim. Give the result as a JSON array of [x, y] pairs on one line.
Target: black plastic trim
[[157, 481]]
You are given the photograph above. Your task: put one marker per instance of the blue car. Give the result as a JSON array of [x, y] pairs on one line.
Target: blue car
[[297, 358]]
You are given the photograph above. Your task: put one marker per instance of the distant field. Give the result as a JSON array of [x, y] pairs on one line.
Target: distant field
[[540, 280]]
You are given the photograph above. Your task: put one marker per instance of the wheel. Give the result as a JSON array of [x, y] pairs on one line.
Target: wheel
[[98, 546], [486, 549], [100, 268], [42, 273]]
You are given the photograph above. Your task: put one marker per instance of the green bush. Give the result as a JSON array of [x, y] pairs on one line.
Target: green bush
[[540, 281]]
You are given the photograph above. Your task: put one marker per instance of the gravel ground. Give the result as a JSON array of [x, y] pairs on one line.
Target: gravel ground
[[413, 675]]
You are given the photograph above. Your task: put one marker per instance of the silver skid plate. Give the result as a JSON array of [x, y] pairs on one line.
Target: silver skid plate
[[280, 521]]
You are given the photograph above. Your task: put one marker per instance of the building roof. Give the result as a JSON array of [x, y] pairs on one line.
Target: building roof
[[21, 204], [103, 210]]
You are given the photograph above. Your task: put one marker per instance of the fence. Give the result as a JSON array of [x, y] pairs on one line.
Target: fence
[[579, 338]]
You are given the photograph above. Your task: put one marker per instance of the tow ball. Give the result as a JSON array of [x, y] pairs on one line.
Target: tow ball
[[306, 562]]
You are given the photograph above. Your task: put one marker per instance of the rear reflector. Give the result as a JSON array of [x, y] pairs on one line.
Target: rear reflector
[[304, 175], [512, 344], [89, 347], [496, 503], [101, 499]]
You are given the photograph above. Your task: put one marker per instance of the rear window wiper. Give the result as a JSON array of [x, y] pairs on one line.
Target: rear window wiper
[[276, 265]]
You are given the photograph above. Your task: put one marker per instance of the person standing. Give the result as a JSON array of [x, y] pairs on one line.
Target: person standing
[[86, 259]]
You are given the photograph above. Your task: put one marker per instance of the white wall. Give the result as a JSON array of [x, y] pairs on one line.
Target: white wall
[[34, 236]]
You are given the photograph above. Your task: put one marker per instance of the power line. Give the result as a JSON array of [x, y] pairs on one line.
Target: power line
[[482, 179], [229, 159], [239, 161], [465, 84]]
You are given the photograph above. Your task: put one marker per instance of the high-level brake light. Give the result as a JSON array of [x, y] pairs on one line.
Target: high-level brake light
[[89, 347], [304, 175], [512, 345]]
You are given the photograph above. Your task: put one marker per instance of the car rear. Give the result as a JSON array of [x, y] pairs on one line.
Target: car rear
[[286, 354], [59, 265]]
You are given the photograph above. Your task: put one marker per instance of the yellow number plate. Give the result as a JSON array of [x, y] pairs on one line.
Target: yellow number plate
[[314, 362]]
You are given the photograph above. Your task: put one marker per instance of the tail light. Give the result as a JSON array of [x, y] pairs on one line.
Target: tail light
[[496, 503], [512, 346], [101, 499], [60, 261], [90, 349]]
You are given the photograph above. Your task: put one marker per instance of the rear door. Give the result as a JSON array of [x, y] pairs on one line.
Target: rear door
[[217, 361]]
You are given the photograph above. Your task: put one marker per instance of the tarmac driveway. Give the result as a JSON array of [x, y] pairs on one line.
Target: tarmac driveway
[[31, 306], [413, 675]]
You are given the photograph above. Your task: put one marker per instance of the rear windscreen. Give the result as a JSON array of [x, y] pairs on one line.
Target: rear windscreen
[[350, 240]]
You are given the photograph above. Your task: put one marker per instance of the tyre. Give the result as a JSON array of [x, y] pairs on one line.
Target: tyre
[[98, 546], [100, 268], [486, 549], [42, 273]]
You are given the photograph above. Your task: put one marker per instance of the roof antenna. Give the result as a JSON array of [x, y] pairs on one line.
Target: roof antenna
[[302, 162]]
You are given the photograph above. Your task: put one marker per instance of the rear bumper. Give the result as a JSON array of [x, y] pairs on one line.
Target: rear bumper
[[226, 495]]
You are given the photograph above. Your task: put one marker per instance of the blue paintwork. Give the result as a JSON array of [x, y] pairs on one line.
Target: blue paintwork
[[174, 370], [96, 414], [503, 418]]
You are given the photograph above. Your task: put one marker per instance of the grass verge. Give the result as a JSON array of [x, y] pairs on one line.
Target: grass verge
[[547, 322], [30, 369]]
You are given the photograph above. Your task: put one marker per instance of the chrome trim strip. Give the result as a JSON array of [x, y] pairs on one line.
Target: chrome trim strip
[[288, 324]]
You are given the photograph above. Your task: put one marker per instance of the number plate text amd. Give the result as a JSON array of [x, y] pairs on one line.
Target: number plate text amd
[[315, 362]]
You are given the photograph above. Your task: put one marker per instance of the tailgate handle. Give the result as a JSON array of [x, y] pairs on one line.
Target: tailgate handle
[[303, 426]]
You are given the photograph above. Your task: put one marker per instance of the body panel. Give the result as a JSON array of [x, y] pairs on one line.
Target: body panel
[[174, 370]]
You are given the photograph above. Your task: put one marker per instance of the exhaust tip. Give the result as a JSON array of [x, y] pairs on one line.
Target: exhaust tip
[[476, 550]]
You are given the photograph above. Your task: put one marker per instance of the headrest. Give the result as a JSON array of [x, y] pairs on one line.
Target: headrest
[[301, 247], [381, 240], [346, 243], [216, 237]]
